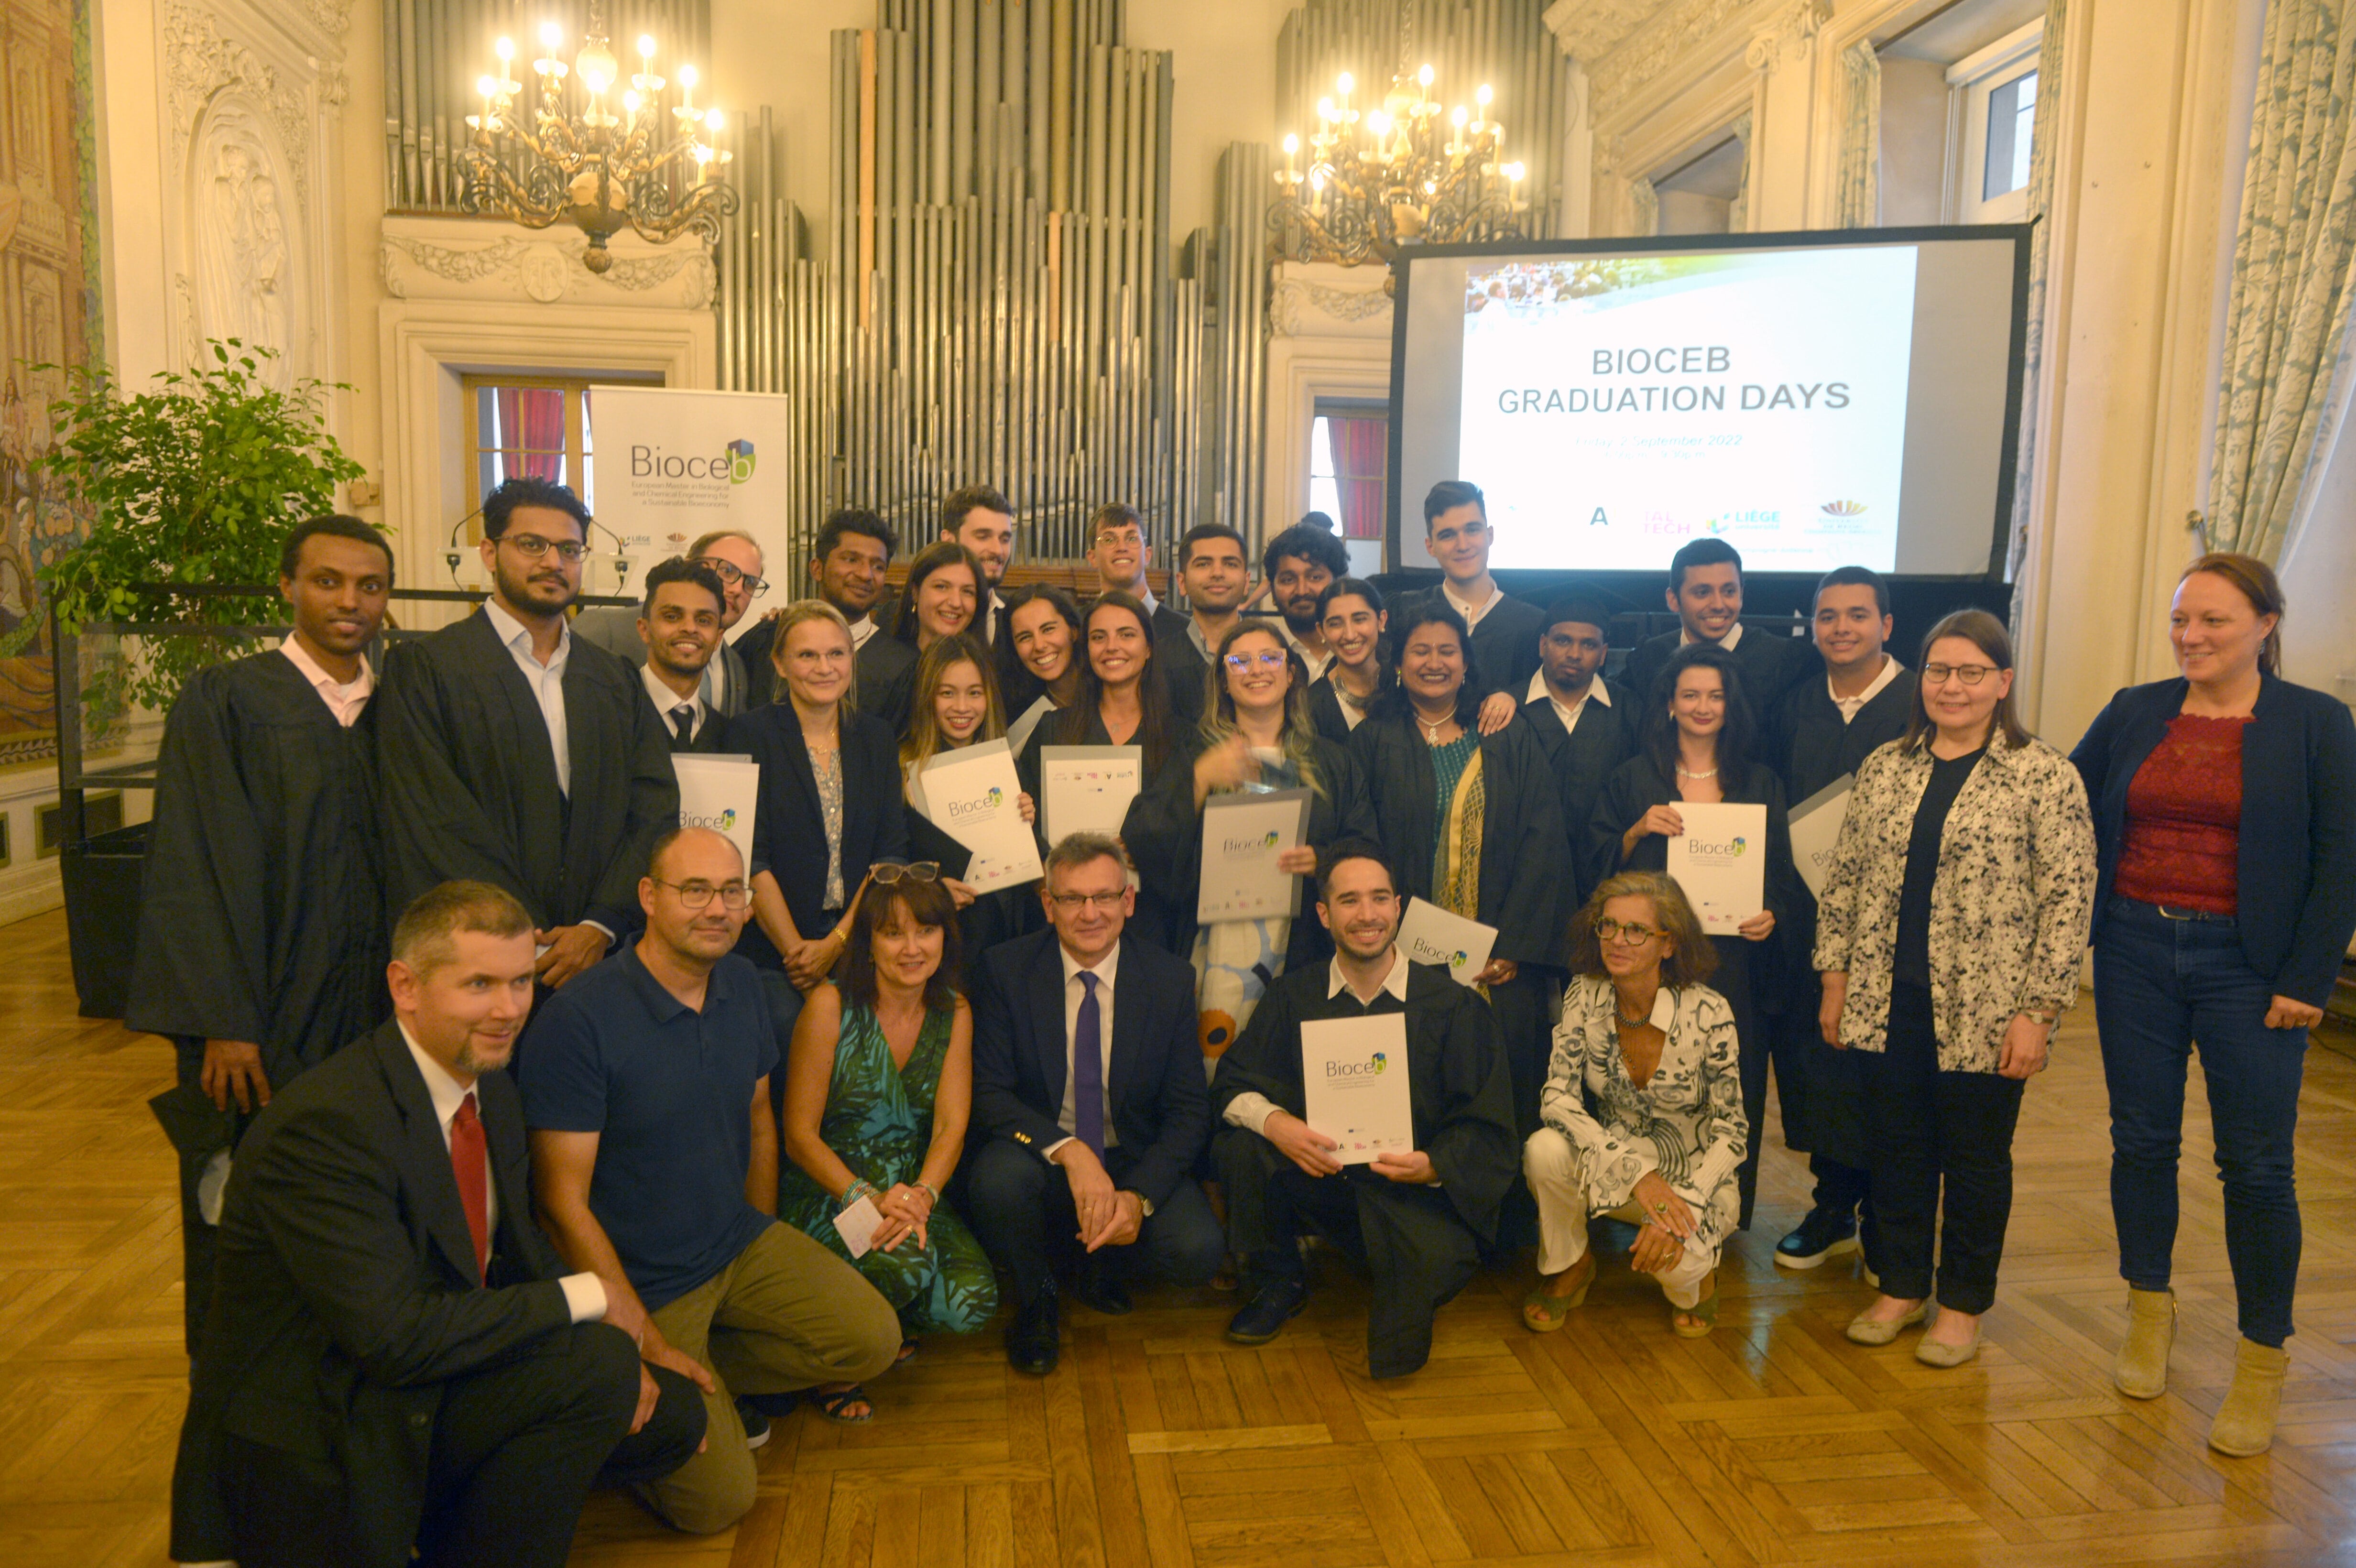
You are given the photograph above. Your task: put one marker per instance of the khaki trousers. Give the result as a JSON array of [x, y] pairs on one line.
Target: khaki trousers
[[785, 1314]]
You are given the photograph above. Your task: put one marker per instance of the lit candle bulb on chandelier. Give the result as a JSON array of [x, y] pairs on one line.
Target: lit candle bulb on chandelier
[[1291, 149]]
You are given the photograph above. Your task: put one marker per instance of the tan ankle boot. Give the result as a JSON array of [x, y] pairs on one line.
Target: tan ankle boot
[[2141, 1370], [2245, 1422]]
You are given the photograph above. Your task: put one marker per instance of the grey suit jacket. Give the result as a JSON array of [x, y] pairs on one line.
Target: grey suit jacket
[[615, 629]]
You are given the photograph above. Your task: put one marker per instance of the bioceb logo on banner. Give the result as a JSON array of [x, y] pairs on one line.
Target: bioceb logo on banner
[[740, 461]]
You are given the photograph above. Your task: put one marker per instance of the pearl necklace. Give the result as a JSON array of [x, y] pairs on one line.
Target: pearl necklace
[[1686, 773], [1431, 731]]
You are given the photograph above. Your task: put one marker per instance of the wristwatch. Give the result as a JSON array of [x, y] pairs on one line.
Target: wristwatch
[[1144, 1204]]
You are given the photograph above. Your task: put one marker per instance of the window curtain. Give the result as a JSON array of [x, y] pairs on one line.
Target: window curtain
[[531, 432], [1361, 457], [1856, 195], [2046, 125], [2287, 323]]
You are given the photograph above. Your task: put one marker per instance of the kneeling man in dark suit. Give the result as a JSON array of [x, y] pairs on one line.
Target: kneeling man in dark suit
[[1087, 1084], [395, 1367]]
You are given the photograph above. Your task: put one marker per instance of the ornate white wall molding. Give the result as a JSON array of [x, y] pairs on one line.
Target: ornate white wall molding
[[1329, 337], [1789, 36], [1314, 301], [465, 259], [1624, 45]]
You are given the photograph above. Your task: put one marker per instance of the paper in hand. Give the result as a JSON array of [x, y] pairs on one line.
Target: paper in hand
[[857, 1225], [1816, 831], [1430, 935]]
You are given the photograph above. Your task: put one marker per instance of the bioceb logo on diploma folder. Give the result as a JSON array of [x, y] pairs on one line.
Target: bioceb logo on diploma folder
[[1355, 1085], [1720, 863]]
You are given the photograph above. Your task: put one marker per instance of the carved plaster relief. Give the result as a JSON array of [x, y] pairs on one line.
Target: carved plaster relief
[[247, 265], [449, 259]]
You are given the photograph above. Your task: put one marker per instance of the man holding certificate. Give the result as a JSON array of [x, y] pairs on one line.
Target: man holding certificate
[[1312, 1138]]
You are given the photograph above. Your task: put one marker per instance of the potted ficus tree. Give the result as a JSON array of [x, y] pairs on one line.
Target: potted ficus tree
[[192, 484]]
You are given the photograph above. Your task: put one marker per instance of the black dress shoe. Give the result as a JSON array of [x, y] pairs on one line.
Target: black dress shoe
[[1263, 1318], [1100, 1288], [1032, 1344]]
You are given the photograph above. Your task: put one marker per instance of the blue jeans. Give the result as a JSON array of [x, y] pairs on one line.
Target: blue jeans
[[2161, 983]]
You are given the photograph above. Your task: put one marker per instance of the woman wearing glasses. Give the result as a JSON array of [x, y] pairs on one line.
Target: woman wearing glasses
[[943, 591], [956, 705], [1948, 935], [879, 1084], [1256, 736], [829, 805], [2225, 806], [1642, 1107], [1472, 821], [1349, 614], [1699, 749], [1041, 665], [1123, 703]]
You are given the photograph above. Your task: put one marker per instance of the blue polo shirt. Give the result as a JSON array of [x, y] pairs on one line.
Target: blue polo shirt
[[669, 1092]]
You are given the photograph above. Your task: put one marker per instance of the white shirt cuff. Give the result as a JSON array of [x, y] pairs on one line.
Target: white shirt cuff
[[1251, 1109], [600, 925], [1049, 1152], [584, 1297]]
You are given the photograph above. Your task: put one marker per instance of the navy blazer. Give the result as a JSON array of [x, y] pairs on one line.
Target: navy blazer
[[790, 828], [1161, 1104], [2296, 898]]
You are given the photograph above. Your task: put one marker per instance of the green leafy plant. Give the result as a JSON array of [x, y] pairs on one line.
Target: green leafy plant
[[193, 483]]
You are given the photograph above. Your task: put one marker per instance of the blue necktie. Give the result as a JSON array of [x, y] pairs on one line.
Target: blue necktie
[[1087, 1068]]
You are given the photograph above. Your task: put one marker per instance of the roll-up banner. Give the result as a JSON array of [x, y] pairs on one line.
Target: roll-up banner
[[672, 465]]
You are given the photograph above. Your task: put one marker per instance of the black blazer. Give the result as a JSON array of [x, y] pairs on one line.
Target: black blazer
[[887, 678], [790, 828], [345, 1297], [1161, 1105], [1581, 759], [2297, 856]]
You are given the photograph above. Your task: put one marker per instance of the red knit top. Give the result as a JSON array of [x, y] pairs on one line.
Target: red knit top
[[2184, 818]]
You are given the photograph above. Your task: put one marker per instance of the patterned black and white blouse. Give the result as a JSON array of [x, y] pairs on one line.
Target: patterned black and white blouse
[[1687, 1121]]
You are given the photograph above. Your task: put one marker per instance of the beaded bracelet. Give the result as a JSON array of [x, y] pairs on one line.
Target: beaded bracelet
[[859, 1188]]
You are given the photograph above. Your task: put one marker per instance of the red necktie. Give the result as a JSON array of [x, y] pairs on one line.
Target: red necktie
[[468, 1162]]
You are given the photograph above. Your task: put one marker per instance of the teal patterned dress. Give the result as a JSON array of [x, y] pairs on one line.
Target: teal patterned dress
[[879, 1122]]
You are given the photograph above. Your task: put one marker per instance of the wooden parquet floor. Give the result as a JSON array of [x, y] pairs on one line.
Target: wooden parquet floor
[[1156, 1445]]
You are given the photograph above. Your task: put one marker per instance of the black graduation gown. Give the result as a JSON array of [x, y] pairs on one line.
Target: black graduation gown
[[1770, 666], [1422, 1243], [1161, 917], [887, 680], [1185, 673], [262, 912], [1745, 974], [994, 917], [1526, 869], [1326, 712], [1581, 759], [1165, 839], [1823, 1093], [470, 779]]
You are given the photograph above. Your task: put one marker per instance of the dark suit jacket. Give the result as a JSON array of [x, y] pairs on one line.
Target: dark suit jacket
[[1770, 665], [1580, 760], [1161, 1106], [789, 829], [469, 778], [2297, 853], [346, 1295], [1184, 671], [888, 676]]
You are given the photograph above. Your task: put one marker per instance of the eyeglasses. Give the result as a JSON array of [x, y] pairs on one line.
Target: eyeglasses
[[1239, 663], [533, 547], [1071, 903], [732, 574], [698, 895], [1625, 932], [1969, 674], [887, 872]]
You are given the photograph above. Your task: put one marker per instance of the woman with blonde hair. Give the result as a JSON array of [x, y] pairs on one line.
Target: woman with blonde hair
[[1948, 933], [1643, 1107], [2224, 804]]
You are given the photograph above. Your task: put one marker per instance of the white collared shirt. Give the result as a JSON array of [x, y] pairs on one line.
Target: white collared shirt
[[585, 1294], [1145, 597], [1596, 692], [861, 630], [1252, 1109], [987, 616], [1851, 707], [1686, 639], [667, 702], [1105, 969], [1318, 660], [345, 698], [546, 680], [1457, 603]]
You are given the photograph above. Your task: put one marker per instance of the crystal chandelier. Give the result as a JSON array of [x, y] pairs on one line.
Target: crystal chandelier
[[646, 168]]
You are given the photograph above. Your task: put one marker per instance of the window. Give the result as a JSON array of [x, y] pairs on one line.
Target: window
[[1993, 122], [1349, 456], [539, 427]]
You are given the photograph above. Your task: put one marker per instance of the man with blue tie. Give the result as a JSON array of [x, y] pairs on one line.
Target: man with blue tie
[[1085, 1061]]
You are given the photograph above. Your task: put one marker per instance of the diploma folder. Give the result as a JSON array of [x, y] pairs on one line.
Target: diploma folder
[[1354, 1087], [1816, 831]]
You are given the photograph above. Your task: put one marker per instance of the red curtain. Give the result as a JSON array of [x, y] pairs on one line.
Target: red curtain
[[531, 432], [1361, 453]]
